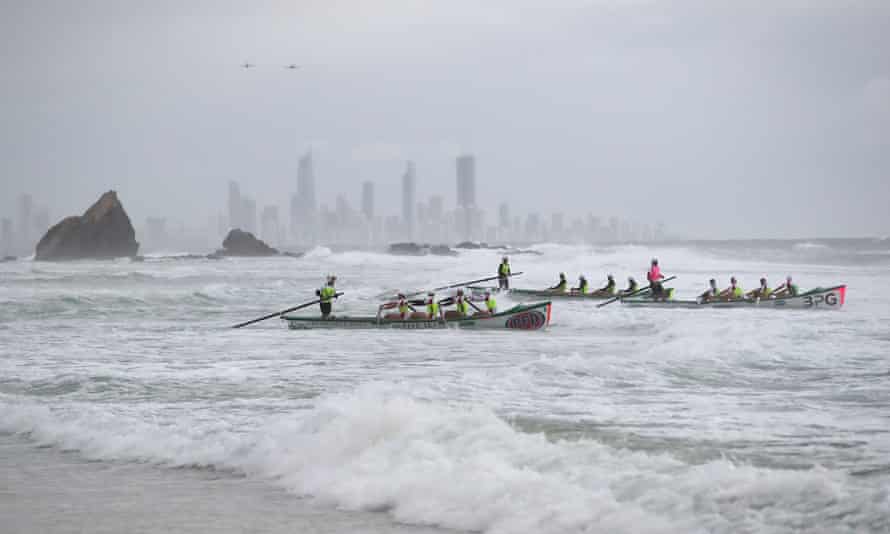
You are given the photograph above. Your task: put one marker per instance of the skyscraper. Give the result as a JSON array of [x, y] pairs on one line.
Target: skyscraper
[[306, 185], [466, 181], [409, 188], [368, 200], [235, 205], [23, 230], [6, 245]]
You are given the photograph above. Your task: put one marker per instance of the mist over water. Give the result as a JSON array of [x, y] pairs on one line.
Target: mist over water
[[613, 420]]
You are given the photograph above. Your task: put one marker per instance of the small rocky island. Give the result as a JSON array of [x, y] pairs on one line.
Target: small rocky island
[[104, 231], [241, 243]]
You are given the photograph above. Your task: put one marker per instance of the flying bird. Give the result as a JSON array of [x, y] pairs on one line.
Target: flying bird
[[292, 66], [248, 65]]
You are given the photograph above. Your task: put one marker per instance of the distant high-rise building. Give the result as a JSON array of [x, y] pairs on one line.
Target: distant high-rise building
[[270, 227], [235, 205], [504, 216], [409, 189], [304, 213], [368, 200], [466, 181], [23, 230], [306, 185], [436, 209], [248, 215], [41, 221], [557, 226], [6, 244]]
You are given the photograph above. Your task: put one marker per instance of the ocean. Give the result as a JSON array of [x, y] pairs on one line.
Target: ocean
[[128, 405]]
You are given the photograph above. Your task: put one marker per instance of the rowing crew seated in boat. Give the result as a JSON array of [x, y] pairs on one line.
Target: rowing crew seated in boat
[[735, 291], [583, 285], [607, 290], [461, 302]]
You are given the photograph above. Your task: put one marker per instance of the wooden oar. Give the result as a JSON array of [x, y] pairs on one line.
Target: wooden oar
[[282, 312], [638, 291], [463, 284]]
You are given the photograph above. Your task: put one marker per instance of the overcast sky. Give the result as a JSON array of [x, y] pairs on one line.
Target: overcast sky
[[732, 119]]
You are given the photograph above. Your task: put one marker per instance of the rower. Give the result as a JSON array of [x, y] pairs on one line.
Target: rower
[[583, 286], [632, 286], [463, 307], [712, 292], [655, 277], [326, 294], [562, 285], [432, 307], [734, 291], [504, 273], [404, 307], [491, 305], [788, 289], [609, 288], [762, 292]]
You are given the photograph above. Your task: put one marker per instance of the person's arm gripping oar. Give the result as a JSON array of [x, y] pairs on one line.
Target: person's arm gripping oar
[[637, 292], [282, 312], [462, 284]]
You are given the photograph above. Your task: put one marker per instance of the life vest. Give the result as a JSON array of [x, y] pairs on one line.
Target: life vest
[[610, 287], [583, 288], [504, 269], [633, 287], [654, 274], [403, 307], [491, 304], [462, 307], [561, 286], [327, 293], [432, 308], [738, 292], [765, 292]]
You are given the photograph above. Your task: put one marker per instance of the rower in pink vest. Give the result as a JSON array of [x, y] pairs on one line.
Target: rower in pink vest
[[655, 277]]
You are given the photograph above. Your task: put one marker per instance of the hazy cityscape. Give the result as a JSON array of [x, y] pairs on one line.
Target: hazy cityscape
[[305, 221]]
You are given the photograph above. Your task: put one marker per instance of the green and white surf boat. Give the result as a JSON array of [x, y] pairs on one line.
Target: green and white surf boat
[[520, 317], [831, 298]]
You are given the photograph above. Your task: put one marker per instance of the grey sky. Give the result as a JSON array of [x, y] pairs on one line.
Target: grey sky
[[736, 119]]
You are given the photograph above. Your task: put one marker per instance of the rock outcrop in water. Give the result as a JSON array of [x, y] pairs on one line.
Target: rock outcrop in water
[[103, 231], [241, 243]]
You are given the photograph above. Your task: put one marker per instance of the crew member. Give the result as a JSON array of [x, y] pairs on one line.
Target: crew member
[[404, 307], [490, 304], [712, 293], [562, 285], [632, 286], [655, 277], [609, 288], [762, 292], [461, 304], [734, 291], [504, 273], [788, 289], [326, 295], [432, 307], [583, 286]]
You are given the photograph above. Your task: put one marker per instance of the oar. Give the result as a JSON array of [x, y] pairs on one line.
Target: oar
[[282, 312], [638, 291], [463, 284]]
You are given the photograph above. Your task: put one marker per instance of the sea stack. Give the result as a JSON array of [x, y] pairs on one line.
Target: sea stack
[[103, 231], [241, 243]]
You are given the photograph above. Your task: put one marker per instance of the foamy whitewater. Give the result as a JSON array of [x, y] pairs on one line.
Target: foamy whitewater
[[127, 405]]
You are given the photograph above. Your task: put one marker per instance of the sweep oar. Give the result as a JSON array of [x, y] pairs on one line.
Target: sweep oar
[[463, 284], [282, 312], [638, 291]]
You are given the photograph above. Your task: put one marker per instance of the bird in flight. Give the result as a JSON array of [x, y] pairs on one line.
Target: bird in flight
[[248, 65], [292, 66]]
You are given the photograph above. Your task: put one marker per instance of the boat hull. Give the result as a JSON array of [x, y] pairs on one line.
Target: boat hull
[[832, 298], [531, 317]]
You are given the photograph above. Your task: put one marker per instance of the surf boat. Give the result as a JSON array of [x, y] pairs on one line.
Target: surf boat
[[831, 298], [519, 317]]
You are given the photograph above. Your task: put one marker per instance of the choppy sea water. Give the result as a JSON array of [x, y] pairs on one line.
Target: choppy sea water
[[127, 405]]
